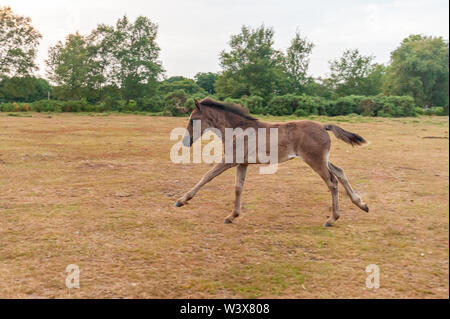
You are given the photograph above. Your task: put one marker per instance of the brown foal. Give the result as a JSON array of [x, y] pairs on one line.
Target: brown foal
[[298, 139]]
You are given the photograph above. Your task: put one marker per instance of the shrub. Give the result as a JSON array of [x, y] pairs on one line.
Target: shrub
[[234, 101], [153, 104], [7, 107], [368, 107], [73, 106], [131, 106], [189, 105], [174, 100], [419, 110], [283, 105], [178, 103], [346, 105], [109, 103], [311, 105], [440, 111], [156, 104], [446, 109], [399, 105], [46, 106], [254, 104], [301, 112]]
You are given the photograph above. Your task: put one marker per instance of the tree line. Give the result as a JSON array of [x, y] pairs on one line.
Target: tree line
[[117, 67]]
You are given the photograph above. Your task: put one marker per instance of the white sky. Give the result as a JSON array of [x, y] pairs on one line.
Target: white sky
[[192, 33]]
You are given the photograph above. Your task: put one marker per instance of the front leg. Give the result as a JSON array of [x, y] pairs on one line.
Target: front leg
[[240, 178], [210, 175]]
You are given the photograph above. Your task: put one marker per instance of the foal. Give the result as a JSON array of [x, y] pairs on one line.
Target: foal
[[298, 139]]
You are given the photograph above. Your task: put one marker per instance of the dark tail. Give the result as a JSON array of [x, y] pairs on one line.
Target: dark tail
[[348, 137]]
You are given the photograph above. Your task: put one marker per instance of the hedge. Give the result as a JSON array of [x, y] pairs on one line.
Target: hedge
[[304, 105], [179, 103]]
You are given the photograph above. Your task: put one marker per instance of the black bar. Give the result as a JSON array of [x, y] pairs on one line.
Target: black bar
[[226, 308]]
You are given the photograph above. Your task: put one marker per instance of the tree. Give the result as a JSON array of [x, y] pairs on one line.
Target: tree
[[355, 74], [23, 89], [99, 74], [69, 66], [319, 87], [252, 66], [133, 56], [420, 68], [373, 84], [111, 59], [18, 44], [176, 83], [176, 78], [206, 81], [297, 63]]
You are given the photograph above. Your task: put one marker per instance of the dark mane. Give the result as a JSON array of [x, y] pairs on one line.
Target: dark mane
[[228, 107]]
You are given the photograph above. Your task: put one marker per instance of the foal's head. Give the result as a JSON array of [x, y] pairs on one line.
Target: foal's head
[[196, 115], [215, 114]]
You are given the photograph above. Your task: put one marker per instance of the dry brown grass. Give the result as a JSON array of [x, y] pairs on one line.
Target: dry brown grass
[[98, 192]]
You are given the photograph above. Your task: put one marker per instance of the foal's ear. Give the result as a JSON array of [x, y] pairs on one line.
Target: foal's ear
[[197, 105]]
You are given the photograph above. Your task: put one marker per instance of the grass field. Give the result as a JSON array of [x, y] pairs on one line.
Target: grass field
[[97, 191]]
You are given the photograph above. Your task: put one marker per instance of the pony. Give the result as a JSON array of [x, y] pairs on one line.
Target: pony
[[303, 139]]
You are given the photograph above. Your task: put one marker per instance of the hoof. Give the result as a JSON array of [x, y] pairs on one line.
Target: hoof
[[227, 221], [366, 209], [177, 204], [328, 225]]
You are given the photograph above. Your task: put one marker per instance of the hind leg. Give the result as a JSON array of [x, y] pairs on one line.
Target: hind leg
[[333, 186], [332, 183], [355, 198]]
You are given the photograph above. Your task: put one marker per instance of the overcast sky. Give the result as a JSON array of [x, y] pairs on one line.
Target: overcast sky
[[192, 33]]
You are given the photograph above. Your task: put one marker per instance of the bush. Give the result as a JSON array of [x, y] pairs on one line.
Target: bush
[[300, 105], [47, 106], [254, 104], [234, 101], [153, 104], [283, 105], [179, 103], [399, 105], [75, 106], [189, 105], [173, 101], [7, 107], [110, 103], [419, 110], [368, 107], [446, 109], [301, 112], [156, 104], [23, 89], [346, 105], [440, 111], [311, 105]]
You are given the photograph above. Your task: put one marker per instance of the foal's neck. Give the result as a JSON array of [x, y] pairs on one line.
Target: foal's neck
[[228, 120], [221, 121]]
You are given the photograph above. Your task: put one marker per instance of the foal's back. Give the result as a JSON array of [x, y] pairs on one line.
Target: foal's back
[[304, 139]]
